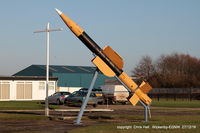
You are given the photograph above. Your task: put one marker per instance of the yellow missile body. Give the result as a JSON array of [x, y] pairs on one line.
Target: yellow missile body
[[109, 62]]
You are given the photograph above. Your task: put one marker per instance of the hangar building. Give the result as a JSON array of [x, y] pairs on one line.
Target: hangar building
[[68, 76]]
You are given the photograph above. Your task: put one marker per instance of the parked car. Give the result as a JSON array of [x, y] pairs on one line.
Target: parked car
[[98, 93], [77, 98], [58, 97]]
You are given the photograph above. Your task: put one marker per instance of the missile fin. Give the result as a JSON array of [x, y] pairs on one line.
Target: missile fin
[[145, 87], [134, 99], [113, 56], [103, 67], [143, 83], [144, 97]]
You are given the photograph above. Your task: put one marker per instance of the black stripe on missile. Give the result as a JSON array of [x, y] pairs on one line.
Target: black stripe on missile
[[90, 44]]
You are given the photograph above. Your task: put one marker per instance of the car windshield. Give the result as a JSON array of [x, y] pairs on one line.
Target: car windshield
[[94, 89], [56, 94], [99, 90], [91, 95], [74, 92], [65, 93]]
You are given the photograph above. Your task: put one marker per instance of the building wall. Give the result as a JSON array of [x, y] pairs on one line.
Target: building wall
[[25, 89], [78, 79]]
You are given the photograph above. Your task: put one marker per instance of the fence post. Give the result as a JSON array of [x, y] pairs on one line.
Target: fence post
[[158, 94], [190, 94], [174, 96], [167, 94]]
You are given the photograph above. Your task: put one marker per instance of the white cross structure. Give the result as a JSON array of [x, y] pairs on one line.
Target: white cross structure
[[47, 30]]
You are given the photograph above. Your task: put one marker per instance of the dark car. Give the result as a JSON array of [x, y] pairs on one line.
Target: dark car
[[77, 98], [98, 93], [58, 97]]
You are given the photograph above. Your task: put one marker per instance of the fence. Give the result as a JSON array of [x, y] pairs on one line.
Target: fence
[[175, 93]]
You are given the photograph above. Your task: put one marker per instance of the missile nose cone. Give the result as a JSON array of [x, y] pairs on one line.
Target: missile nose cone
[[58, 11]]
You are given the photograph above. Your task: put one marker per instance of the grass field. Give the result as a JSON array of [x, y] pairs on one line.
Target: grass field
[[11, 116], [158, 123], [171, 103], [35, 105], [167, 116], [165, 124], [178, 103], [24, 105]]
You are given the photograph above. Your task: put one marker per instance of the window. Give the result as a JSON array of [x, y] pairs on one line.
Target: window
[[41, 85], [20, 90], [4, 90], [56, 94], [28, 90], [51, 85], [65, 93], [77, 94], [24, 90]]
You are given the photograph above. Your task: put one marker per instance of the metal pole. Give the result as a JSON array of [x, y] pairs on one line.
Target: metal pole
[[47, 73], [86, 99], [47, 30], [144, 105], [145, 111]]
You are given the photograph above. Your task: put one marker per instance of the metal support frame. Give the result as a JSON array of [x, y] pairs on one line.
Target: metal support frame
[[78, 121], [146, 107]]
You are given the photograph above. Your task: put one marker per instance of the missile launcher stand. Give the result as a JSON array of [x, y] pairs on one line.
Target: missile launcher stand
[[78, 121], [146, 107]]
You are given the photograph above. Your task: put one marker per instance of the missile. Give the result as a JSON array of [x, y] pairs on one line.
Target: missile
[[108, 62]]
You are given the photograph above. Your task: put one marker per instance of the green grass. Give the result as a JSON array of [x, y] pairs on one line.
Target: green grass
[[139, 128], [178, 103], [114, 122], [144, 127], [17, 116], [171, 103], [191, 121], [24, 105]]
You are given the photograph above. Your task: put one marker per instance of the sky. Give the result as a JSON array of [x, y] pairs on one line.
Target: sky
[[133, 28]]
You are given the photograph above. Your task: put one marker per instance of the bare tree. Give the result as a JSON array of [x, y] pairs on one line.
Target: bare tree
[[144, 69], [174, 70]]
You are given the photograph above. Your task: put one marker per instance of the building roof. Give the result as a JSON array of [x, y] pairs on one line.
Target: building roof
[[68, 76], [38, 70], [27, 78], [69, 69]]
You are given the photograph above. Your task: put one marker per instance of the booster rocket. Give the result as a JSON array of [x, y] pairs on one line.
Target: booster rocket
[[109, 62]]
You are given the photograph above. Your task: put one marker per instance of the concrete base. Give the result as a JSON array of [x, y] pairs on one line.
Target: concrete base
[[86, 110], [75, 122], [66, 118]]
